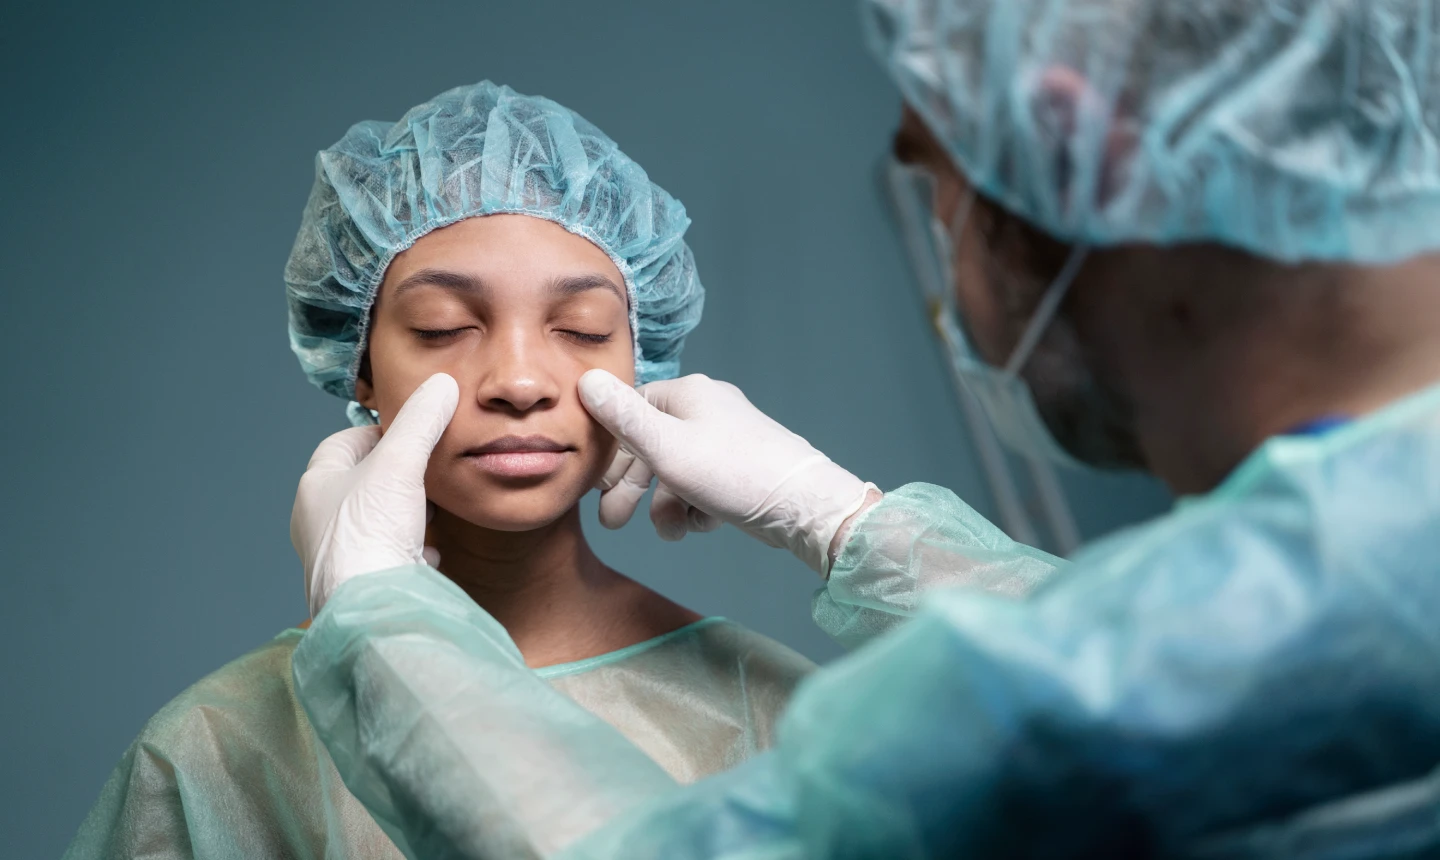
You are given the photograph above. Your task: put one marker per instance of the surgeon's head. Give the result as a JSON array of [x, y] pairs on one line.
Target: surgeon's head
[[1246, 184], [504, 240], [1003, 267]]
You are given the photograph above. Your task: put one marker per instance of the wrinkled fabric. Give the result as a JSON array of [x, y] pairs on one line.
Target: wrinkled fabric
[[1256, 674], [232, 768], [1294, 129], [698, 701], [472, 151], [915, 540]]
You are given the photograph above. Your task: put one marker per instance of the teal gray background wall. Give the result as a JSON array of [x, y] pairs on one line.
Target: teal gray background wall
[[156, 158]]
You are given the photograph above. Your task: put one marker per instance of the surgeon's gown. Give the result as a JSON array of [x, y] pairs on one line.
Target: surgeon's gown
[[1256, 674], [232, 769]]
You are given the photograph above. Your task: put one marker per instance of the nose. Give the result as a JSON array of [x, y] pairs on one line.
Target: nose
[[515, 376]]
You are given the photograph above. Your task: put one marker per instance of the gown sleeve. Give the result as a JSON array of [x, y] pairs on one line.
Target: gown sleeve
[[915, 540]]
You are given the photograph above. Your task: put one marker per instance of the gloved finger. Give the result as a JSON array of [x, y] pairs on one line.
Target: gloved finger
[[618, 503], [670, 514], [701, 522], [693, 396], [344, 449], [618, 467], [406, 446], [678, 397], [432, 556], [640, 427]]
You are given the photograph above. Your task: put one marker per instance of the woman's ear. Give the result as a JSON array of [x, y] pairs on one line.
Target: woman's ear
[[365, 394]]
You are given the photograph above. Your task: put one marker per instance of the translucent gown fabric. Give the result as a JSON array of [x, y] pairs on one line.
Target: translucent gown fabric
[[1256, 674], [232, 768], [1294, 129], [471, 151]]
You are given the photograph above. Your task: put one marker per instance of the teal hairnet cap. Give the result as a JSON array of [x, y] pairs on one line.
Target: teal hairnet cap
[[1294, 129], [471, 151]]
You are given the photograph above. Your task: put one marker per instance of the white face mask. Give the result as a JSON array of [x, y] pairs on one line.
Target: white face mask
[[1002, 392]]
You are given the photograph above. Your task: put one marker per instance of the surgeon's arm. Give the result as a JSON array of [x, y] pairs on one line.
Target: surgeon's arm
[[917, 539]]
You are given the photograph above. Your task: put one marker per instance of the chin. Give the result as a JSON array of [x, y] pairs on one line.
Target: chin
[[509, 509], [1088, 431]]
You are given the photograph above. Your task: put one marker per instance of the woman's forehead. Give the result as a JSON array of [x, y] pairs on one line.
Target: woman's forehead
[[505, 253]]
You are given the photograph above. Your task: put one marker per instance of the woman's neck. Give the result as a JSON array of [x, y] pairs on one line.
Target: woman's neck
[[558, 601]]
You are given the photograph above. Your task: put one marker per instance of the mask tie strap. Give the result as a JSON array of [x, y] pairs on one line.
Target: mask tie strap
[[1049, 306], [948, 237]]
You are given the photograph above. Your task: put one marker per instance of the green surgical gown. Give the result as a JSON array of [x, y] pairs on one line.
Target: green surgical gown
[[1256, 674], [232, 768]]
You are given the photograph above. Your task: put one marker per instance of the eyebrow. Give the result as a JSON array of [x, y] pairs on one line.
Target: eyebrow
[[454, 281], [460, 282], [576, 284]]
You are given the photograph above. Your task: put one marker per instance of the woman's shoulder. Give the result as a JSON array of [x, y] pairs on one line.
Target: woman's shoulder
[[249, 701], [230, 761], [750, 672], [698, 700], [762, 662]]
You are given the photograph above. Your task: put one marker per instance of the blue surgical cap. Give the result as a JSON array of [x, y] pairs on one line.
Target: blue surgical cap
[[1293, 129], [480, 150]]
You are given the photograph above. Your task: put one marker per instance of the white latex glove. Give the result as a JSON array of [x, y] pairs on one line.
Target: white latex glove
[[361, 504], [719, 459]]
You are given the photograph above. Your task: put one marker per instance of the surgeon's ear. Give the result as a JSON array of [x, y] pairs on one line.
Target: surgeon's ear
[[1064, 106]]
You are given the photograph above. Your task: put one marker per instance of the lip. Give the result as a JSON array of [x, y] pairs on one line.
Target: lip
[[519, 456]]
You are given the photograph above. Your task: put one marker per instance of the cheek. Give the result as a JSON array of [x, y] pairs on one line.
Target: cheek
[[601, 449], [950, 193], [397, 369], [620, 361], [616, 357], [600, 445], [981, 314]]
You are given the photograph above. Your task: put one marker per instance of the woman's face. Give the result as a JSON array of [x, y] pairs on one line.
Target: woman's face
[[516, 309]]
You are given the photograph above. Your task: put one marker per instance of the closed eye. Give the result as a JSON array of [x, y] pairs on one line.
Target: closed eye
[[584, 337], [438, 333]]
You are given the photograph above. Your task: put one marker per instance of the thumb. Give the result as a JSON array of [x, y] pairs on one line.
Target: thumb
[[626, 413], [344, 450], [406, 445]]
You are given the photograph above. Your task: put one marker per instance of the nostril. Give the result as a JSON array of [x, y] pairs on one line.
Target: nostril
[[520, 405]]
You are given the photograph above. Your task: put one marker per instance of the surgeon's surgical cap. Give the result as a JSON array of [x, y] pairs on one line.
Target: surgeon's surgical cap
[[480, 150], [1294, 129]]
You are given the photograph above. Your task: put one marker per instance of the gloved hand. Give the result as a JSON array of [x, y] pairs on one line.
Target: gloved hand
[[719, 459], [361, 504]]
